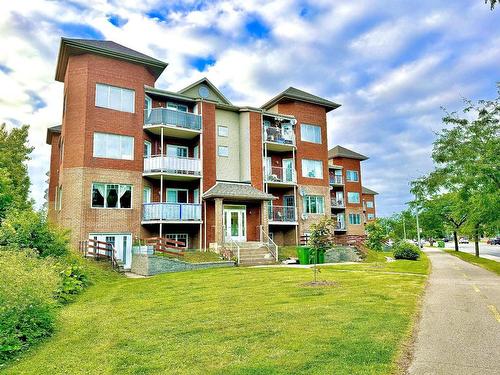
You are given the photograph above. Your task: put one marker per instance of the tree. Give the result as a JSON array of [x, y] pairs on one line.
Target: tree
[[376, 235], [321, 238], [14, 153], [467, 164]]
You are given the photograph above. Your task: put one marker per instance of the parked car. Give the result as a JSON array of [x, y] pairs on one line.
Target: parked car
[[494, 241], [463, 240]]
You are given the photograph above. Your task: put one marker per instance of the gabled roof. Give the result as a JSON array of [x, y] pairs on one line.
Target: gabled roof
[[205, 81], [342, 152], [51, 131], [236, 191], [365, 190], [170, 94], [292, 93], [108, 48]]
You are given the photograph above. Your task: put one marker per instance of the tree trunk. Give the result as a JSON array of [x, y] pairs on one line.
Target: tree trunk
[[476, 240], [455, 238]]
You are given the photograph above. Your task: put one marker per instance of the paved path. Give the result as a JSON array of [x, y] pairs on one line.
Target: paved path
[[459, 332]]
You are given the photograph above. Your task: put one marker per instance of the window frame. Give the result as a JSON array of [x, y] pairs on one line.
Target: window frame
[[372, 216], [219, 127], [186, 148], [303, 161], [369, 204], [105, 195], [219, 151], [108, 105], [307, 198], [106, 148], [303, 133], [354, 222], [353, 192], [177, 195], [347, 174]]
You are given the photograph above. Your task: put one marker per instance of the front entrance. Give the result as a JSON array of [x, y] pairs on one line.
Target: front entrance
[[235, 222], [121, 242]]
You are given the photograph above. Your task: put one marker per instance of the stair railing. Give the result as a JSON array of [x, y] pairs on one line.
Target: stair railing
[[269, 243], [234, 245]]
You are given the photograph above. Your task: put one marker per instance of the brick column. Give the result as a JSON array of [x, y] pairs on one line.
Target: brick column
[[264, 216], [219, 223]]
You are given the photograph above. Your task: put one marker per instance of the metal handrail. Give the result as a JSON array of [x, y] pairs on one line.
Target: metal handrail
[[232, 243], [280, 174], [269, 243]]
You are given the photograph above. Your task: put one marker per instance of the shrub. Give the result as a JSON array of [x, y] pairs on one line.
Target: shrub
[[27, 285], [73, 279], [30, 229], [376, 236], [405, 250]]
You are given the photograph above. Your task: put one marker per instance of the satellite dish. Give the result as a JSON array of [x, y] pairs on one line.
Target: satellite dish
[[304, 216], [302, 192], [293, 121]]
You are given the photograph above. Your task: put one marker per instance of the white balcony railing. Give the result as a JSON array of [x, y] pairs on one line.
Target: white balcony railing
[[165, 116], [284, 135], [171, 211], [336, 180], [280, 174], [172, 164], [282, 213]]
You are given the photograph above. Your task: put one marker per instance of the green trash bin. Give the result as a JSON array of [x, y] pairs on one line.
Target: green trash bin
[[303, 253], [440, 243], [320, 256]]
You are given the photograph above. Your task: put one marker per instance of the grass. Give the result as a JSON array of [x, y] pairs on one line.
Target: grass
[[237, 321], [490, 265]]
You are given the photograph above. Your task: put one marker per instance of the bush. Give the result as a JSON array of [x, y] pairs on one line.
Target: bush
[[73, 279], [376, 236], [405, 250], [27, 285], [30, 229]]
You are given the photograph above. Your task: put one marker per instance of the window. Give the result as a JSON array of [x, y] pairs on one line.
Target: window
[[371, 216], [58, 202], [146, 195], [177, 151], [314, 204], [196, 195], [111, 195], [310, 133], [114, 98], [177, 196], [196, 152], [180, 237], [223, 151], [148, 104], [177, 107], [352, 176], [113, 146], [222, 131], [147, 149], [369, 204], [312, 168], [352, 197], [355, 219]]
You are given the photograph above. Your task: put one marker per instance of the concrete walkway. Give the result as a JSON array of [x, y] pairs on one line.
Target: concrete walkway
[[459, 332]]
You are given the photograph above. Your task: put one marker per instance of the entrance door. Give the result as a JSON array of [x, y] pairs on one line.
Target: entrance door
[[235, 223], [288, 170], [122, 244]]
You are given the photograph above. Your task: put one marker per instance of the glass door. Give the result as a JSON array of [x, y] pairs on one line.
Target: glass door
[[288, 170], [235, 224]]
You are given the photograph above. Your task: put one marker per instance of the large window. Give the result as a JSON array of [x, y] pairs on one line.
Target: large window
[[352, 176], [314, 204], [177, 195], [111, 195], [369, 204], [113, 146], [352, 197], [310, 133], [177, 151], [179, 237], [312, 168], [355, 219], [112, 97], [177, 107]]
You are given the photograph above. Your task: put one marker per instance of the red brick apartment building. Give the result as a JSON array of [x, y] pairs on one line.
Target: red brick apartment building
[[134, 161]]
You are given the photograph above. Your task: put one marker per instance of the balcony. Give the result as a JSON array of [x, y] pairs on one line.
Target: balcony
[[279, 138], [174, 123], [340, 227], [336, 180], [282, 215], [338, 203], [174, 168], [171, 212], [279, 176]]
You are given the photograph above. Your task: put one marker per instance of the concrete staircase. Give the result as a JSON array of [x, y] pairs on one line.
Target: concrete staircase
[[254, 253]]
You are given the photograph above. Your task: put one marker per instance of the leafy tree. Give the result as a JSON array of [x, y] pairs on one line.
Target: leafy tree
[[376, 235], [6, 192], [467, 164], [14, 153], [321, 238]]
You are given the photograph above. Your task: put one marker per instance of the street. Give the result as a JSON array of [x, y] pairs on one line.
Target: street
[[485, 251]]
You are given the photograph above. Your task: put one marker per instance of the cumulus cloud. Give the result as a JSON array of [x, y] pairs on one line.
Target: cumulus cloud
[[390, 66]]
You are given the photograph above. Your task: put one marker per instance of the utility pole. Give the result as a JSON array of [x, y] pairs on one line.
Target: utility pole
[[418, 229], [404, 228]]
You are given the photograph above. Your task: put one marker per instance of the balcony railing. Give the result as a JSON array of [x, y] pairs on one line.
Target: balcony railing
[[340, 226], [165, 116], [338, 203], [282, 213], [279, 135], [336, 180], [171, 211], [172, 164], [280, 174]]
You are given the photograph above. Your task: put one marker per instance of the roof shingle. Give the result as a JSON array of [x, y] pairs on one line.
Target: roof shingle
[[236, 191]]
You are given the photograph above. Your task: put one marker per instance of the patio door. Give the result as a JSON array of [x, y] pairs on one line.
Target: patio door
[[121, 242], [287, 170], [235, 221]]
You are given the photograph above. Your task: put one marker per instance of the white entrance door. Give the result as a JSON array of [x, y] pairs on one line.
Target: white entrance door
[[235, 222], [121, 242]]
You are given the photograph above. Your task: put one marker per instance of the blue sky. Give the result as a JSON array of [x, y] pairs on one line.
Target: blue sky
[[391, 64]]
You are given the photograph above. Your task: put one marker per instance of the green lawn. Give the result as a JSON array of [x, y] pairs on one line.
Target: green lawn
[[488, 264], [237, 321]]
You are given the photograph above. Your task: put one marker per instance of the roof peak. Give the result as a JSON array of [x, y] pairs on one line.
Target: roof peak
[[293, 93], [205, 80], [342, 152]]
